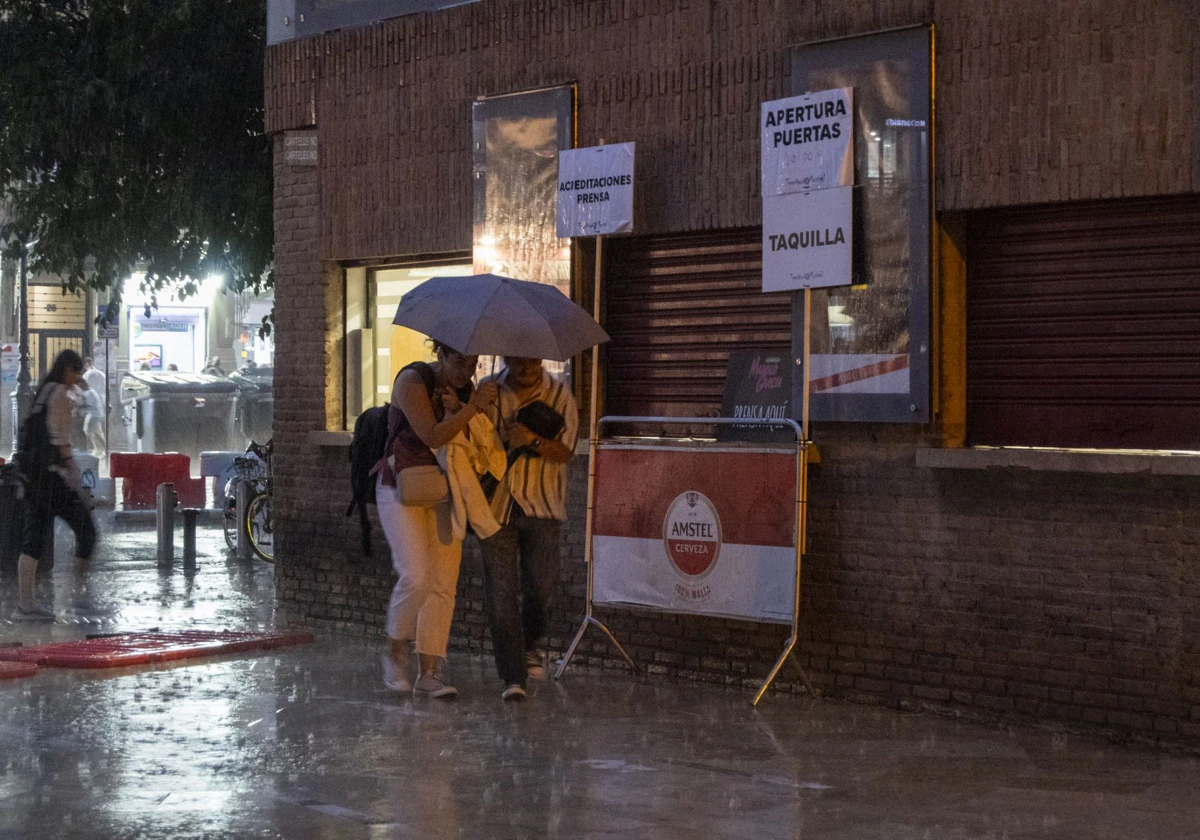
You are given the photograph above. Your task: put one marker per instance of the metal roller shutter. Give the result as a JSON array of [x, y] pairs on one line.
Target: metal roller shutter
[[1083, 325], [676, 306]]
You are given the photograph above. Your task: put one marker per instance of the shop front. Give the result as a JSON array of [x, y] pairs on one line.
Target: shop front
[[999, 305]]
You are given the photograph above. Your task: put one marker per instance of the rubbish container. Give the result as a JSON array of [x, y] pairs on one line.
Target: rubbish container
[[12, 502], [255, 403], [181, 412]]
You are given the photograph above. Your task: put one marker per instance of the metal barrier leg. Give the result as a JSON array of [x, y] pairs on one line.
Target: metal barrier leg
[[787, 651], [616, 644], [165, 514], [784, 657], [566, 660], [592, 621]]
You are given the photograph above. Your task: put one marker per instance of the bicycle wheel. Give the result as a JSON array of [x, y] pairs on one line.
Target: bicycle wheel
[[230, 525], [260, 527]]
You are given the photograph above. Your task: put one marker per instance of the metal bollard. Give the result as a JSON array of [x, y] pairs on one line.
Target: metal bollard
[[165, 508], [189, 534], [241, 494]]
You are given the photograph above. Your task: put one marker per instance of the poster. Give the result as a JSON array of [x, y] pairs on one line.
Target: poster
[[758, 385], [696, 529]]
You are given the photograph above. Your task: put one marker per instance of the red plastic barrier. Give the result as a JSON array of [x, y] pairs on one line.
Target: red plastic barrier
[[143, 648], [11, 670], [143, 472]]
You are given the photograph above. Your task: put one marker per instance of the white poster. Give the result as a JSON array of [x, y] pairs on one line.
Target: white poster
[[807, 240], [807, 142], [595, 190]]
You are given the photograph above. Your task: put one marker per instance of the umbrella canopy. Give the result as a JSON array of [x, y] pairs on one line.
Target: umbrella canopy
[[488, 315]]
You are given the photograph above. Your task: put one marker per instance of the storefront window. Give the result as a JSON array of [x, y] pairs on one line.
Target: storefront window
[[871, 340], [376, 349]]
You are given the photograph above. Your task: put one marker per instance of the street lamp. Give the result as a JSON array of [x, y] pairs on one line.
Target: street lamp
[[22, 398]]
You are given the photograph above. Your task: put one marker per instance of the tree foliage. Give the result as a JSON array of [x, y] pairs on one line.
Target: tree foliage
[[131, 138]]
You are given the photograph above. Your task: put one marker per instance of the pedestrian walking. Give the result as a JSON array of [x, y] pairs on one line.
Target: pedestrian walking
[[92, 416], [52, 483], [538, 421], [97, 407], [431, 405]]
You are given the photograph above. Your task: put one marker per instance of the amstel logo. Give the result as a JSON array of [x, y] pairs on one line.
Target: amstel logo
[[692, 533]]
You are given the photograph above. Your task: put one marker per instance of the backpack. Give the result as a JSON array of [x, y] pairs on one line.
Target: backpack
[[369, 446], [35, 453]]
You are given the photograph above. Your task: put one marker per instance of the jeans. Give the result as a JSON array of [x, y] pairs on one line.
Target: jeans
[[422, 602], [520, 572]]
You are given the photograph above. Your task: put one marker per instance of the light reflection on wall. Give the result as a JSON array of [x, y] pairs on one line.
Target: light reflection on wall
[[515, 169]]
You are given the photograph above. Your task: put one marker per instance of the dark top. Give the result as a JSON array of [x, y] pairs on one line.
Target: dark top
[[404, 445]]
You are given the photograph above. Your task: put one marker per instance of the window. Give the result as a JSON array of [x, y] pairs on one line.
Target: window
[[376, 350]]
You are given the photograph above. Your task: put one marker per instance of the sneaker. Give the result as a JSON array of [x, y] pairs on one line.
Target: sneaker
[[395, 674], [32, 614], [431, 685], [514, 692], [534, 666]]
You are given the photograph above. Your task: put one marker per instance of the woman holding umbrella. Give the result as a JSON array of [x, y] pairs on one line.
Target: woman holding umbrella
[[431, 405], [481, 314]]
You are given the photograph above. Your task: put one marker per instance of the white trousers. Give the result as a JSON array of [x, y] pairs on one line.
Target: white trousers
[[426, 564]]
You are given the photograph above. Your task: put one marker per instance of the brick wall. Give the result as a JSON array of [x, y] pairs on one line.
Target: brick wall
[[1035, 103], [1046, 595]]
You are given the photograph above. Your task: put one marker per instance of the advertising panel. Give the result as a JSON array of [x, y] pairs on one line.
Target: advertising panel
[[696, 529], [757, 387]]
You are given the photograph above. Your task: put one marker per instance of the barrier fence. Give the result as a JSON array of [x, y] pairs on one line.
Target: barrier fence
[[696, 527]]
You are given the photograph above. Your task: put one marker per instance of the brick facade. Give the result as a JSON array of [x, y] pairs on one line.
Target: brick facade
[[1057, 596]]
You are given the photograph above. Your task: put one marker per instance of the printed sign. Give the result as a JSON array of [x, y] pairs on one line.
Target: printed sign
[[300, 148], [807, 240], [104, 330], [758, 386], [806, 142], [595, 190], [696, 529]]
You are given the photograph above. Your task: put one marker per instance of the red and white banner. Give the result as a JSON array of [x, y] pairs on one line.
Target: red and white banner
[[705, 530]]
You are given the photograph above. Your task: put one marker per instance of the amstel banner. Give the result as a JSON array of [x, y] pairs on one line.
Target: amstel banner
[[696, 529]]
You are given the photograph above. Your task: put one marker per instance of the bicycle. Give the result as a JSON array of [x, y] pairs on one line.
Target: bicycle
[[254, 467]]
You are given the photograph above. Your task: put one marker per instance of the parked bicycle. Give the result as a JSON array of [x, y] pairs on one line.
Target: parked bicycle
[[253, 468]]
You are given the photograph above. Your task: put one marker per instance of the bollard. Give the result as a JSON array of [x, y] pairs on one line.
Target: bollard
[[165, 509], [241, 494], [189, 534]]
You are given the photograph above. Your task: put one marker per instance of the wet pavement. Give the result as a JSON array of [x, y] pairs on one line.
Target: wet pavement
[[306, 743]]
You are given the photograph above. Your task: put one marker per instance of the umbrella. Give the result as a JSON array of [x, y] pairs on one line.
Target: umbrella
[[484, 314]]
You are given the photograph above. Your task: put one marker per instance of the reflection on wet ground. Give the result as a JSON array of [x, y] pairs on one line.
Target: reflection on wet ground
[[306, 743]]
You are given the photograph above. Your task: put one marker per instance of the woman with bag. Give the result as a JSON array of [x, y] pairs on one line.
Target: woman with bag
[[52, 482], [431, 405]]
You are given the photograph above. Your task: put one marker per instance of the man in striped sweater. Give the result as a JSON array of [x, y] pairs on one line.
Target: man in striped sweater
[[521, 561]]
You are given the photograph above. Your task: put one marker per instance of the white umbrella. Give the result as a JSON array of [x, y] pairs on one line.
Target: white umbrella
[[488, 315]]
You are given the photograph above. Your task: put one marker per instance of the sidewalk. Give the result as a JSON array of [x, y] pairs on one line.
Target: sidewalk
[[306, 743]]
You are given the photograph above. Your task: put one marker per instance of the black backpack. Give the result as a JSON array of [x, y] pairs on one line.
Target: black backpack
[[370, 441], [35, 453], [370, 446]]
